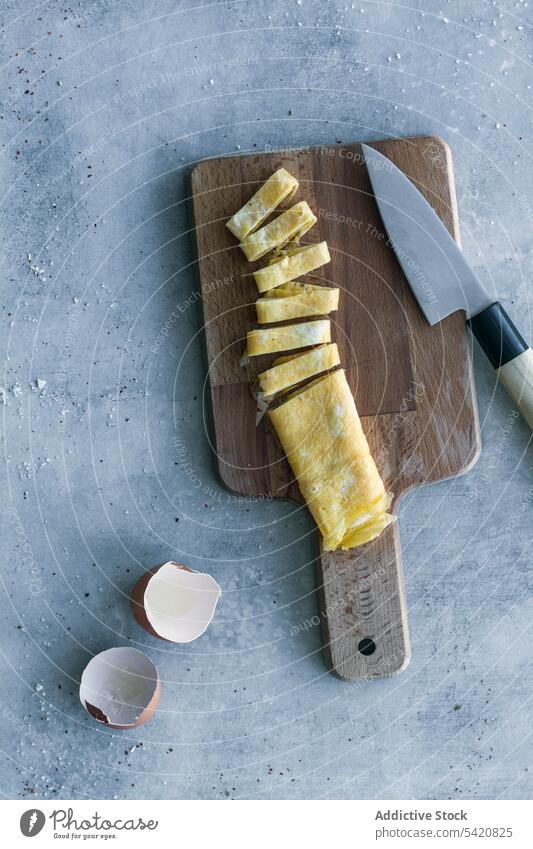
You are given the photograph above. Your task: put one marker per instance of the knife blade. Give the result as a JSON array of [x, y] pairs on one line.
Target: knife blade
[[441, 279]]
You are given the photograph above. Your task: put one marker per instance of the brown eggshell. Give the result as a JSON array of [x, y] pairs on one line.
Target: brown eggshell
[[147, 713], [176, 623], [96, 683], [137, 598]]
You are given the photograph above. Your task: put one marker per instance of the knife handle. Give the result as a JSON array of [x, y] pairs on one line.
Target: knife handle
[[509, 354]]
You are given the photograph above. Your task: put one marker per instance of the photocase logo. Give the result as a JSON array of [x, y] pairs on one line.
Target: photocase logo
[[32, 822]]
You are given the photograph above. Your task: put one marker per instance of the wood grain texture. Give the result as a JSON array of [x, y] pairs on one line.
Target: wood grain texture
[[412, 383]]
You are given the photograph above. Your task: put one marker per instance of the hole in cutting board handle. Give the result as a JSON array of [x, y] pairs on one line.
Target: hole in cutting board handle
[[366, 646]]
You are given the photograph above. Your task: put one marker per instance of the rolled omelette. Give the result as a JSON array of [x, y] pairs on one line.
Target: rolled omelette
[[280, 186], [297, 262], [287, 337], [296, 300], [321, 434], [293, 369], [291, 224]]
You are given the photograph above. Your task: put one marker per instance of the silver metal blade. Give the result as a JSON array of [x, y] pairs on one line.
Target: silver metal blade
[[439, 275]]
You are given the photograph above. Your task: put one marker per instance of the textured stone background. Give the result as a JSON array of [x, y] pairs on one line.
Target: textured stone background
[[106, 469]]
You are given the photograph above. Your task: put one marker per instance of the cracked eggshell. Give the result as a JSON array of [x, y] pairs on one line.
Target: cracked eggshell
[[120, 688], [175, 603]]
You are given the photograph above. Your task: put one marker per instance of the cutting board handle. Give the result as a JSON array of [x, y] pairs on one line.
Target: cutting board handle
[[365, 631]]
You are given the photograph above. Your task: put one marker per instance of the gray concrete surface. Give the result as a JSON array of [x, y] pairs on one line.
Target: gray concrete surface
[[106, 469]]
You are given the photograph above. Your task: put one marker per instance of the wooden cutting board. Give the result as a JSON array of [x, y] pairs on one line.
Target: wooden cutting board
[[412, 383]]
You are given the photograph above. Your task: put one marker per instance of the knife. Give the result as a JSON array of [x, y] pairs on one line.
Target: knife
[[442, 280]]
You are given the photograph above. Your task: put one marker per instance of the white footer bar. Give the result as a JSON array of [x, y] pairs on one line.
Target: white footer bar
[[267, 824]]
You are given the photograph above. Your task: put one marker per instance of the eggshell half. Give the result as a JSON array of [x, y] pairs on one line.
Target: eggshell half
[[120, 687], [175, 603]]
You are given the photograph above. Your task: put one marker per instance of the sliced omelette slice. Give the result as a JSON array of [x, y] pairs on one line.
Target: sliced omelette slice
[[296, 300], [321, 434], [293, 369], [279, 187], [296, 262], [291, 224], [288, 337]]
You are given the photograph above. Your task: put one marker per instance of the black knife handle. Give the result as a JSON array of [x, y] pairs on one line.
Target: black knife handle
[[497, 335], [509, 354]]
